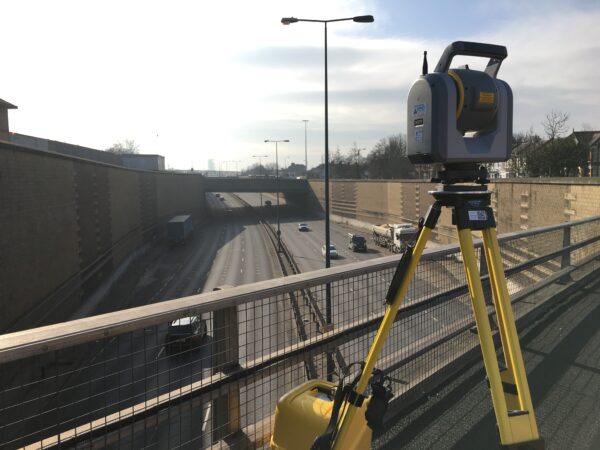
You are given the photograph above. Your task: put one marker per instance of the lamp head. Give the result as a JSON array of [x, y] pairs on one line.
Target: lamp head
[[288, 20], [363, 19]]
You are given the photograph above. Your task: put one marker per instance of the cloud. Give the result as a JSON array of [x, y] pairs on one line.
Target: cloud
[[214, 80]]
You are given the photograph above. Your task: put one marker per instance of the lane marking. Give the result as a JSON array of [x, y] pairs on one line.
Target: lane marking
[[206, 416], [162, 349]]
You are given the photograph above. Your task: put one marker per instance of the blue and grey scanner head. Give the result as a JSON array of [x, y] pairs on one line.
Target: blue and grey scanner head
[[460, 115]]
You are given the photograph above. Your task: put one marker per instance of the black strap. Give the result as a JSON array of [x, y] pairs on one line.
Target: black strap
[[401, 268], [381, 394], [325, 440]]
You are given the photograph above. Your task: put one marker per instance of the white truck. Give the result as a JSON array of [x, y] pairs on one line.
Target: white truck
[[393, 236]]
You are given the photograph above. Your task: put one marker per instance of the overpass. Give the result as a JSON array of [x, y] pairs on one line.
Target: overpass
[[104, 380], [256, 184]]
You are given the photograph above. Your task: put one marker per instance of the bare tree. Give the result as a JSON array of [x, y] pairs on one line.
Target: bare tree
[[128, 146], [556, 124]]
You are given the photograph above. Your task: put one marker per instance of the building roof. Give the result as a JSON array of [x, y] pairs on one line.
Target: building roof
[[6, 105], [586, 138]]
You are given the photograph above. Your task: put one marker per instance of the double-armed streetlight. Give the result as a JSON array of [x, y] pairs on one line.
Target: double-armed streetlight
[[360, 19], [288, 21], [277, 187], [260, 157]]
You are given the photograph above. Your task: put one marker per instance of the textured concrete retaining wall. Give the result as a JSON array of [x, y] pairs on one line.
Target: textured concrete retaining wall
[[67, 223], [524, 203]]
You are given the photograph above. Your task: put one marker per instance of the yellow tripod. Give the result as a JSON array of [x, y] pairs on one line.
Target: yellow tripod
[[307, 407]]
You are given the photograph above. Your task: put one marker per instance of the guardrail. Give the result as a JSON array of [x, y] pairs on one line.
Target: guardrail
[[110, 379]]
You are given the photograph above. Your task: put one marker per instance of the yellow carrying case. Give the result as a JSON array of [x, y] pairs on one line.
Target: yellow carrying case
[[304, 413]]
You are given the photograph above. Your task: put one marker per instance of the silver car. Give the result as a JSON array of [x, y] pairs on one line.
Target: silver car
[[333, 254]]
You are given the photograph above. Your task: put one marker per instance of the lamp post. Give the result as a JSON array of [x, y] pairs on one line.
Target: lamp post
[[260, 157], [305, 150], [277, 187], [288, 21]]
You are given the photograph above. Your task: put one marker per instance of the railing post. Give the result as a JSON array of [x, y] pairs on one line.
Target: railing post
[[226, 407], [565, 260]]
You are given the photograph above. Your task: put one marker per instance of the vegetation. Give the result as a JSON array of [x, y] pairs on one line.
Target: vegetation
[[127, 147], [554, 155]]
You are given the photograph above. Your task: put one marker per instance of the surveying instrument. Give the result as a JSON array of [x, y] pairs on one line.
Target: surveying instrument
[[457, 118]]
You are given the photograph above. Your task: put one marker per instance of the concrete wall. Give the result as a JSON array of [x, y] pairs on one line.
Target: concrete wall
[[67, 223], [524, 203]]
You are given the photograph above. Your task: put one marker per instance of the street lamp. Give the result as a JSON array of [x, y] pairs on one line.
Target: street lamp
[[305, 150], [277, 187], [260, 157], [288, 21]]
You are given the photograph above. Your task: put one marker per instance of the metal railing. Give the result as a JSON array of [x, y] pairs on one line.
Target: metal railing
[[129, 379]]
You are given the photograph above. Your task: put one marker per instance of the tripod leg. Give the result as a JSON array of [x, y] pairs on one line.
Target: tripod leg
[[515, 376], [484, 331], [515, 426], [344, 437]]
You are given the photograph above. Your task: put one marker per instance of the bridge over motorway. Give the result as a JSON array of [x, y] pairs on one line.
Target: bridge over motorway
[[106, 381], [256, 184]]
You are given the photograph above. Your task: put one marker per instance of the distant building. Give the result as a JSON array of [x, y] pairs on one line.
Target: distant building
[[4, 130], [211, 164], [590, 140], [145, 162]]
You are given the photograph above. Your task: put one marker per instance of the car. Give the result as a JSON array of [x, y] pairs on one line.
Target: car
[[217, 195], [222, 199], [184, 333], [357, 243], [268, 203], [303, 227], [333, 254]]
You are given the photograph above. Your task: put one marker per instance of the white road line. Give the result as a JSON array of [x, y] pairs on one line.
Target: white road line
[[159, 353], [206, 417]]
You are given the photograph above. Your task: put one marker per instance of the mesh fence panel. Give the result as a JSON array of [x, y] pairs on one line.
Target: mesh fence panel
[[216, 376]]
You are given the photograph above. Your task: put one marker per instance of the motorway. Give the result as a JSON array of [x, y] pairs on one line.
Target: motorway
[[232, 249]]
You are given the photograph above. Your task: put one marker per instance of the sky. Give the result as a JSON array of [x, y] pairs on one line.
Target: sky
[[195, 80]]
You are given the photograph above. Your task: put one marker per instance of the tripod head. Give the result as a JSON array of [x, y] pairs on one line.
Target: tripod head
[[461, 173]]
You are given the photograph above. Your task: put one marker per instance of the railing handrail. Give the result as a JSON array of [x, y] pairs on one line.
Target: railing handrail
[[37, 341]]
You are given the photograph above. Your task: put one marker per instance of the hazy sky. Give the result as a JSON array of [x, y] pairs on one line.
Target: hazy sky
[[195, 80]]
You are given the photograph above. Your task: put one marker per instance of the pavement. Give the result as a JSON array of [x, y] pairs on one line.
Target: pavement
[[561, 350]]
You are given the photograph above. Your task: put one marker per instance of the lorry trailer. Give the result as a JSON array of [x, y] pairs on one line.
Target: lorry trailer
[[393, 236], [179, 228]]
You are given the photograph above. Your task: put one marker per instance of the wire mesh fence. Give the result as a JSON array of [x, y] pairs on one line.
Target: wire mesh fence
[[209, 369]]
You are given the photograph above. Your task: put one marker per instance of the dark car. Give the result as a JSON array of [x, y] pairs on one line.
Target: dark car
[[184, 334], [357, 243], [267, 202]]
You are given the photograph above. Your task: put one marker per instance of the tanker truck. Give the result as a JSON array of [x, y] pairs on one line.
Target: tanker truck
[[393, 236]]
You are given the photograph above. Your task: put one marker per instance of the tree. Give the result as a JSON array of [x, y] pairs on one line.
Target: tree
[[560, 157], [388, 159], [127, 147], [356, 159], [524, 146], [556, 124]]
